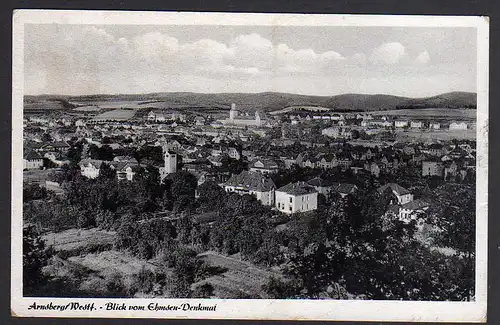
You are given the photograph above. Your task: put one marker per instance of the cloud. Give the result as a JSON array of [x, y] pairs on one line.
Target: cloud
[[423, 58], [76, 59], [388, 54]]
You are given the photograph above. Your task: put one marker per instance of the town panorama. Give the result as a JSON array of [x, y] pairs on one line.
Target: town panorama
[[264, 195]]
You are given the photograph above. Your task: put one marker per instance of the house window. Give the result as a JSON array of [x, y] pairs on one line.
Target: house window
[[290, 200], [290, 208]]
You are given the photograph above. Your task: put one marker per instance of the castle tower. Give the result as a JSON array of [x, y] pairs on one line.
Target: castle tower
[[233, 113]]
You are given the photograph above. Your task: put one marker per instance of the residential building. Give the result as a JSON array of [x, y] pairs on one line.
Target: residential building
[[434, 125], [402, 194], [296, 197], [416, 124], [432, 168], [436, 149], [200, 120], [32, 160], [401, 123], [56, 158], [411, 210], [90, 167], [344, 189], [458, 126], [234, 153], [322, 186], [264, 166], [252, 183], [126, 171]]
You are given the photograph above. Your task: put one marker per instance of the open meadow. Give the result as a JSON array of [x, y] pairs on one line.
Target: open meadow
[[443, 135], [241, 278], [429, 113], [117, 114]]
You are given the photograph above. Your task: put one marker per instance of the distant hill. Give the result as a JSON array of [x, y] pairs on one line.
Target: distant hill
[[268, 101]]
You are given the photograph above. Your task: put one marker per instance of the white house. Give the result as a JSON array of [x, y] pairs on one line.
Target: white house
[[416, 124], [200, 120], [296, 197], [400, 123], [264, 166], [252, 183], [32, 160], [56, 158], [411, 210], [233, 153], [90, 167], [458, 126], [333, 132], [126, 172], [434, 125], [402, 194], [432, 168]]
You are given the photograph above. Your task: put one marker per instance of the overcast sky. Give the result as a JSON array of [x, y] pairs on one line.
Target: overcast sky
[[84, 59]]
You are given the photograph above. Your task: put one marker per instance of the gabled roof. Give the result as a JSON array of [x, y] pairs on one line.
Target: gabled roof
[[268, 163], [252, 181], [299, 188], [344, 188], [436, 146], [415, 205], [319, 182], [32, 155], [399, 190], [94, 162], [57, 144]]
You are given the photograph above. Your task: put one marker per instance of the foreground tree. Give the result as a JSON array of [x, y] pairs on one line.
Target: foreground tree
[[35, 257]]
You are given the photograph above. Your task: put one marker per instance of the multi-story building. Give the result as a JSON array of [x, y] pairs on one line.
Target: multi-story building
[[458, 126], [90, 167], [296, 197], [32, 160], [402, 194], [252, 183], [264, 166], [432, 168]]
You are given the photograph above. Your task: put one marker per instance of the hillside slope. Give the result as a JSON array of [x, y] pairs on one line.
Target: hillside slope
[[270, 101]]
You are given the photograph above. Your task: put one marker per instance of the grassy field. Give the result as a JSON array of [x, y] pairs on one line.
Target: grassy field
[[36, 175], [240, 279], [430, 112], [89, 273], [75, 238], [437, 135], [112, 104], [88, 108], [117, 114]]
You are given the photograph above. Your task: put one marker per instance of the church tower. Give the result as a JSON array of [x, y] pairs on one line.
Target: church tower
[[258, 120], [233, 113], [170, 159]]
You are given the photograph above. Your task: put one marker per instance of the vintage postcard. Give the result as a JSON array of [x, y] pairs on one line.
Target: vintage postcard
[[249, 166]]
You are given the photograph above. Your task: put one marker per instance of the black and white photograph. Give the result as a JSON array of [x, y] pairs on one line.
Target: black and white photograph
[[250, 166]]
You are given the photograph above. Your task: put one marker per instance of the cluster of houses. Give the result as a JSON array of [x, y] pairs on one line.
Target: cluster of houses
[[368, 121], [124, 166], [203, 146], [303, 196]]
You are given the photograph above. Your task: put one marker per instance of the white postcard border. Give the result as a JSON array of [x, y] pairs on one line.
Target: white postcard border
[[258, 308]]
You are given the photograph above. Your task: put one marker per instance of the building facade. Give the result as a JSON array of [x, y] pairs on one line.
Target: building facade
[[296, 197]]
